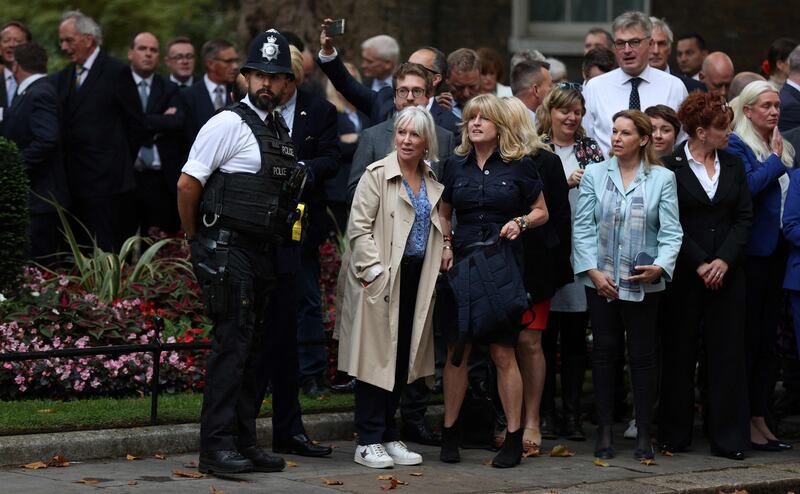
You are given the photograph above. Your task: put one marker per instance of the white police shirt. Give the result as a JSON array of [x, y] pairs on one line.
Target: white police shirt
[[225, 142]]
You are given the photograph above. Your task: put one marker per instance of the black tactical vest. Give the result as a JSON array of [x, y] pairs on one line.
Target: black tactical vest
[[262, 203]]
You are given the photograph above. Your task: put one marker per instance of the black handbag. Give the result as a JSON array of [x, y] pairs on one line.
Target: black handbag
[[489, 292]]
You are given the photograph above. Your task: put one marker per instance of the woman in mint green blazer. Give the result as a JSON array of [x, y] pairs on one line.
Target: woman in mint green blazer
[[626, 239]]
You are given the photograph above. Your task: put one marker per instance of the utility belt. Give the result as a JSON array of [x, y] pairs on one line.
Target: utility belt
[[214, 239]]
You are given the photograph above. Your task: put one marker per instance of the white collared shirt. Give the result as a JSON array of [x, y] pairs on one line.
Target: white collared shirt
[[26, 83], [287, 112], [696, 77], [793, 84], [378, 84], [137, 79], [87, 65], [709, 184], [177, 81], [609, 93], [227, 143], [211, 87]]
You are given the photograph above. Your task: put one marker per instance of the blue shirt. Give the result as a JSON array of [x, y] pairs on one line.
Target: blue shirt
[[418, 237]]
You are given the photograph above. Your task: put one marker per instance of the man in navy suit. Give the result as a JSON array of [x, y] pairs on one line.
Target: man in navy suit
[[790, 94], [660, 51], [33, 123], [102, 130], [163, 151], [180, 61], [211, 93], [12, 34]]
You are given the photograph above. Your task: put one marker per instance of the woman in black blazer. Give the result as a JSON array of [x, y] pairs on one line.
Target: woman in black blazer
[[706, 298]]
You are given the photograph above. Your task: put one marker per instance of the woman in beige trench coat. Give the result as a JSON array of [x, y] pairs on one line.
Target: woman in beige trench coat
[[386, 286]]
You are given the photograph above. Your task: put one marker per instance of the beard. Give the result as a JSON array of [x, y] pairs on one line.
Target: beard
[[264, 99]]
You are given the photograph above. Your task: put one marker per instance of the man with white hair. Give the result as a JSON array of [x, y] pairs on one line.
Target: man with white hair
[[103, 128], [634, 85], [661, 49], [379, 55]]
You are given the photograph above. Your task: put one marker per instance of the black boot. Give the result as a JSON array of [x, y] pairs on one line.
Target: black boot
[[451, 439], [604, 446], [572, 372], [644, 444], [511, 452], [548, 424]]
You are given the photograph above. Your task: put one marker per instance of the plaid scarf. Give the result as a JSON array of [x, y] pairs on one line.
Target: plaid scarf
[[622, 231]]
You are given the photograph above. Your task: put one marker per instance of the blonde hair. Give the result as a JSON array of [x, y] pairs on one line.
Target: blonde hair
[[561, 96], [491, 108], [644, 127], [744, 127], [422, 123], [297, 64], [520, 120], [335, 97]]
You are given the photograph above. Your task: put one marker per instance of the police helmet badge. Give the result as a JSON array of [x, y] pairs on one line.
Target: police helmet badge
[[270, 50]]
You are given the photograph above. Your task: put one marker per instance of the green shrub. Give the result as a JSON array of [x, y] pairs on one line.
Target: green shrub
[[14, 195]]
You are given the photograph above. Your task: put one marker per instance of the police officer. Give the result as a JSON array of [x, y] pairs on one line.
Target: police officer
[[237, 198]]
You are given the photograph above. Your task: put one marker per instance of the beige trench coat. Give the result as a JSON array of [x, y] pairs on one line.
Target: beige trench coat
[[380, 222]]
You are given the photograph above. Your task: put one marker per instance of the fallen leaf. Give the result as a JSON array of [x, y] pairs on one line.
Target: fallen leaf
[[291, 464], [86, 481], [191, 464], [648, 461], [666, 452], [390, 486], [35, 465], [600, 463], [332, 482], [487, 462], [188, 475], [214, 490], [160, 456], [58, 461], [131, 457], [385, 477], [416, 474], [561, 451], [47, 410], [132, 482]]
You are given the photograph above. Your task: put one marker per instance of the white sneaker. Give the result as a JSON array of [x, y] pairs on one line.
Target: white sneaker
[[373, 456], [401, 455], [631, 432]]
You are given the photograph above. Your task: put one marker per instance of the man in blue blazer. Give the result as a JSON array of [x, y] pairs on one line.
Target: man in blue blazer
[[33, 123], [791, 230], [102, 129], [790, 95]]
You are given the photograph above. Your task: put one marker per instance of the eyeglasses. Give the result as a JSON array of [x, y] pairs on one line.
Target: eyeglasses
[[187, 57], [228, 61], [633, 43], [402, 92], [570, 85]]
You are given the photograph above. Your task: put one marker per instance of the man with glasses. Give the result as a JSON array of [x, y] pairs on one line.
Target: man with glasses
[[634, 85], [203, 99], [180, 61]]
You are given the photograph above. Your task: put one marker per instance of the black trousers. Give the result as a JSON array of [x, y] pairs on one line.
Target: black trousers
[[571, 327], [236, 299], [764, 298], [44, 230], [376, 407], [156, 204], [638, 321], [96, 213], [691, 312]]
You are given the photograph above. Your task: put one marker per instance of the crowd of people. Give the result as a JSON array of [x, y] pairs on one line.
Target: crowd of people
[[489, 228]]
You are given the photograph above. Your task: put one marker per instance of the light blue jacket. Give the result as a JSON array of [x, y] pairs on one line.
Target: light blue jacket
[[664, 233]]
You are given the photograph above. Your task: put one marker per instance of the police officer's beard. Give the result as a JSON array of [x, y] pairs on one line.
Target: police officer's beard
[[264, 100]]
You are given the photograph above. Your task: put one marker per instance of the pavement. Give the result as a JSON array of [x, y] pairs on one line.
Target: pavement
[[693, 472]]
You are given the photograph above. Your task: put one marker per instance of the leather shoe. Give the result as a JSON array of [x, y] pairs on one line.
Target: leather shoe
[[419, 433], [782, 445], [314, 387], [262, 462], [224, 461], [771, 446], [548, 426], [301, 445], [731, 455]]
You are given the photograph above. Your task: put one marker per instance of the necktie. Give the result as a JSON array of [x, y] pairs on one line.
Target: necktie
[[146, 152], [634, 103], [78, 73], [11, 89], [219, 101]]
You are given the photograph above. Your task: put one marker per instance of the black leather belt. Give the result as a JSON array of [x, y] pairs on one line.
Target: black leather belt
[[214, 239]]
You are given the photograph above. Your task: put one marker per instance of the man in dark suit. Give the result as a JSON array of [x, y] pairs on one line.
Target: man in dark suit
[[102, 128], [12, 34], [660, 51], [377, 105], [163, 151], [180, 61], [379, 56], [790, 94], [312, 125], [212, 92], [33, 123]]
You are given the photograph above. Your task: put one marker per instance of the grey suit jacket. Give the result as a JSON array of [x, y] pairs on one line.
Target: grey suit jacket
[[376, 142]]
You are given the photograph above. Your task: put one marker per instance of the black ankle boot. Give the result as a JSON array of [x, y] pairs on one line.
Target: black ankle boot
[[451, 439], [644, 444], [604, 446], [511, 452]]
